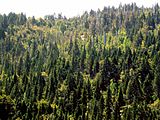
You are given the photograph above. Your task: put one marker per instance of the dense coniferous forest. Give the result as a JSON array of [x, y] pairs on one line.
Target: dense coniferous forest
[[102, 65]]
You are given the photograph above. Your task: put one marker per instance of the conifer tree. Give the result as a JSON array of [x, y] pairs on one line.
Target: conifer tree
[[148, 89], [108, 104]]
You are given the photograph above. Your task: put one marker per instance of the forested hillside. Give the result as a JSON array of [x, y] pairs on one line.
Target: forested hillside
[[103, 65]]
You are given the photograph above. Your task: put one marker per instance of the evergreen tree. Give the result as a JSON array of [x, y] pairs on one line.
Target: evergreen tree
[[83, 57], [108, 104], [134, 88], [120, 100], [157, 83], [105, 74], [148, 89], [27, 62]]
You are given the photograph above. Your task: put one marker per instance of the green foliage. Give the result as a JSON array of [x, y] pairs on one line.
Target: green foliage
[[101, 65]]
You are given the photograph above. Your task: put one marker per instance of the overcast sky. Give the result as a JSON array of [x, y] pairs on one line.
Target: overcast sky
[[69, 8]]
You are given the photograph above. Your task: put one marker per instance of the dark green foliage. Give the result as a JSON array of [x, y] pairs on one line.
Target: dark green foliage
[[148, 89], [108, 104], [120, 100], [105, 74], [157, 85], [134, 87], [102, 65]]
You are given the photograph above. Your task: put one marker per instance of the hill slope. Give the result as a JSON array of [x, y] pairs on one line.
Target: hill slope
[[101, 65]]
